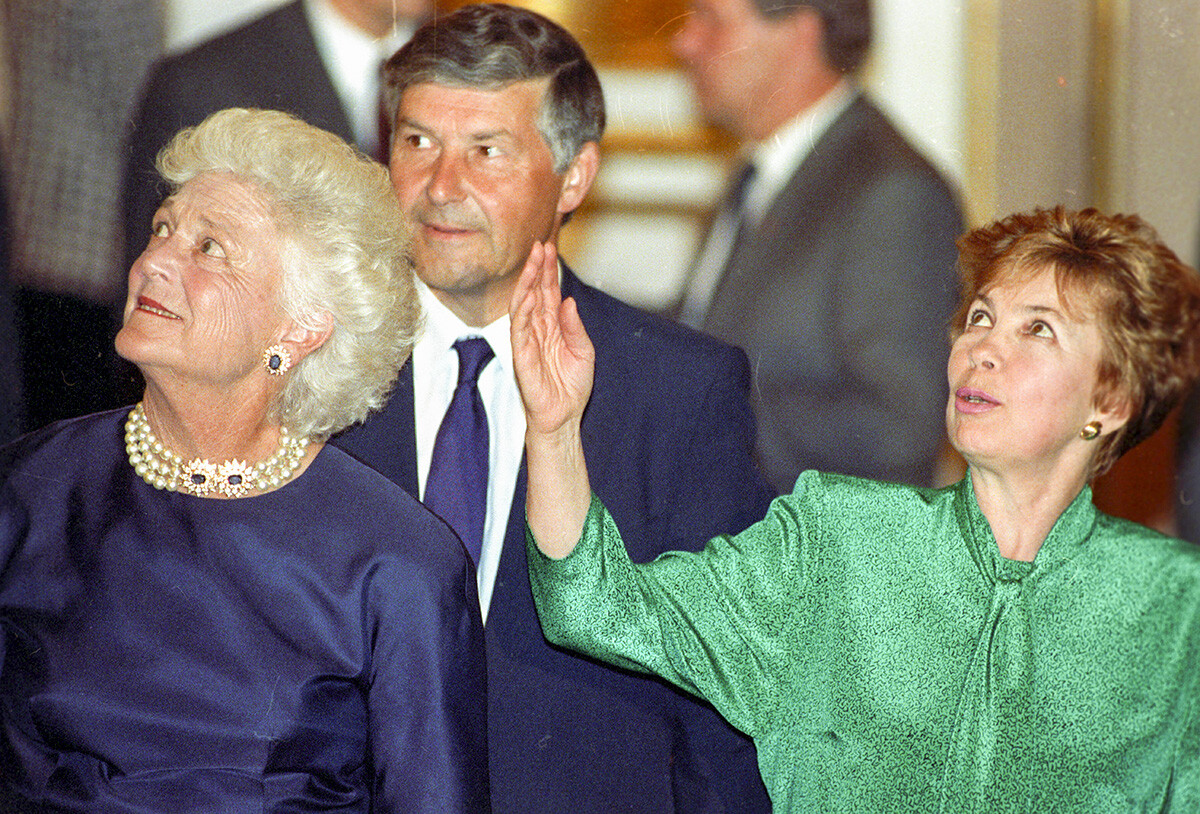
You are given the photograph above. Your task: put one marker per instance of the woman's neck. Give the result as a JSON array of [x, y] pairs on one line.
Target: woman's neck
[[218, 426], [1021, 508]]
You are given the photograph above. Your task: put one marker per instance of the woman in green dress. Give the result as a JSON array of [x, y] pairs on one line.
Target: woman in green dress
[[995, 646]]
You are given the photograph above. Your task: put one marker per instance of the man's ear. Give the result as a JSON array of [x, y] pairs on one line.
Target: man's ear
[[301, 341], [578, 178], [801, 35]]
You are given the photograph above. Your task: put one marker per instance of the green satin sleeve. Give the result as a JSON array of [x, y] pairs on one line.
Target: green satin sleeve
[[713, 623]]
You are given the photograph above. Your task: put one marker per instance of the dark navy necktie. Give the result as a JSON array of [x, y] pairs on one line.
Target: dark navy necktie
[[456, 489], [735, 200], [712, 264]]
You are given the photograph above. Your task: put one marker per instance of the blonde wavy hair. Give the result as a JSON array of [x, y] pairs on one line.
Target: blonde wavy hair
[[345, 252]]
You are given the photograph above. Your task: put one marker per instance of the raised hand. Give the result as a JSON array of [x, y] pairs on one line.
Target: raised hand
[[552, 354], [554, 362]]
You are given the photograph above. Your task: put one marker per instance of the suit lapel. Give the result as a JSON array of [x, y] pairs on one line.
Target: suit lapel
[[512, 602], [788, 222], [511, 607], [815, 184], [386, 441], [404, 430], [306, 77]]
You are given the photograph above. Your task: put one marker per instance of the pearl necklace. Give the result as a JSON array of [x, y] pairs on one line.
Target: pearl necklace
[[163, 469]]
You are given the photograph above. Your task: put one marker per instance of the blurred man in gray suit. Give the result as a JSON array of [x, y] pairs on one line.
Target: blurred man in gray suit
[[831, 258]]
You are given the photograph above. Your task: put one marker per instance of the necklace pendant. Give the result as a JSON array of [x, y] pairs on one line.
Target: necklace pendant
[[235, 478], [198, 476]]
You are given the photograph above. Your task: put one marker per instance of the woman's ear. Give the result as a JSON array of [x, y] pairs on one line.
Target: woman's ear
[[301, 340], [1113, 411]]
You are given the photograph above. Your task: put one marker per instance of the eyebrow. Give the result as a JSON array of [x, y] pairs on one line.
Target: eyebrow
[[482, 135], [223, 229], [1032, 309]]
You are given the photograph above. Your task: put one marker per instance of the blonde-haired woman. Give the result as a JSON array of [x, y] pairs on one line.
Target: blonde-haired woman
[[204, 607]]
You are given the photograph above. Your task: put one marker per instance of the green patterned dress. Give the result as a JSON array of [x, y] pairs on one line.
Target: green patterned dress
[[886, 658]]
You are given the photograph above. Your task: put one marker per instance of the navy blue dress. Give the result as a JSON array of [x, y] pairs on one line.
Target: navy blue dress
[[315, 648]]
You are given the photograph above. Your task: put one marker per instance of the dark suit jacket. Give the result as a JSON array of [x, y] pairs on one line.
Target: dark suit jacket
[[271, 62], [668, 436], [840, 298], [12, 405]]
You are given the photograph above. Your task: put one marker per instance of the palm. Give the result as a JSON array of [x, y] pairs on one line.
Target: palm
[[552, 354]]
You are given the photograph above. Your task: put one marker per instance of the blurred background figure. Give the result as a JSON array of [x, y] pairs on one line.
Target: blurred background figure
[[830, 260], [11, 402], [1187, 465], [1187, 512], [73, 70], [316, 59]]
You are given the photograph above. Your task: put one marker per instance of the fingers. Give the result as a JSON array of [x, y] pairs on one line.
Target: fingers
[[548, 277], [573, 332], [528, 279]]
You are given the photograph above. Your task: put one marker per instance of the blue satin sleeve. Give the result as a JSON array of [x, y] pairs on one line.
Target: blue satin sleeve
[[427, 693]]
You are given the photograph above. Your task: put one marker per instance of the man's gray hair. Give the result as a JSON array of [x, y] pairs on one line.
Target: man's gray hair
[[490, 46], [847, 27]]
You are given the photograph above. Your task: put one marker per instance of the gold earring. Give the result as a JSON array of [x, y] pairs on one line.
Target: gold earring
[[1091, 430], [277, 360]]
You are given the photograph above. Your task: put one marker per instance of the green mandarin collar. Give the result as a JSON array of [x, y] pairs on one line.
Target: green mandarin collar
[[1066, 537]]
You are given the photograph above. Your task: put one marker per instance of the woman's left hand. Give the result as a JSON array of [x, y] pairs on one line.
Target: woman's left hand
[[554, 362], [552, 355]]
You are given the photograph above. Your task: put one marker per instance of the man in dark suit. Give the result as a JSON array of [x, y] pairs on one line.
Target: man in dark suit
[[498, 119], [316, 59], [831, 261]]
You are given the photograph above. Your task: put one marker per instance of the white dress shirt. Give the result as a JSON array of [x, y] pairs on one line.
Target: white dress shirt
[[353, 59], [775, 161], [435, 375]]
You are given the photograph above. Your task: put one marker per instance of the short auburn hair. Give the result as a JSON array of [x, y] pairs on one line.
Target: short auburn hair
[[1116, 269]]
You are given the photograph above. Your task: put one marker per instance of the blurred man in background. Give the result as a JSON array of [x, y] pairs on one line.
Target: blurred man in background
[[831, 259]]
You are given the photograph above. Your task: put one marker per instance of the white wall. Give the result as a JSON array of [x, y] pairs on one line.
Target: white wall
[[188, 22], [917, 72]]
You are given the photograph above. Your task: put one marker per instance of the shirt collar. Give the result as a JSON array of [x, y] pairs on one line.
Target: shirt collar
[[347, 40], [443, 328], [1068, 534], [777, 157]]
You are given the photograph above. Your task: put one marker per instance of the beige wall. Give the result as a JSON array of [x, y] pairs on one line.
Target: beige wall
[[1156, 152], [1027, 106], [1087, 102]]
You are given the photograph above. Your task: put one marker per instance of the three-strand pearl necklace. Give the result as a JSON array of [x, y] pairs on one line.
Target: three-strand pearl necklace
[[163, 469]]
